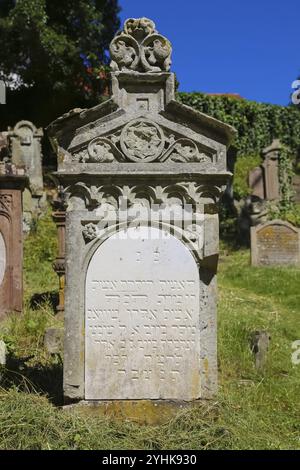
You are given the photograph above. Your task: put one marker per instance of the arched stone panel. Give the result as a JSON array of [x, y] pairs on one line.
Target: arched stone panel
[[142, 318]]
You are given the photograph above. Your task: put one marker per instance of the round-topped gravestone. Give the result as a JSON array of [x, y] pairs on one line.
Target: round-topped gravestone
[[142, 318]]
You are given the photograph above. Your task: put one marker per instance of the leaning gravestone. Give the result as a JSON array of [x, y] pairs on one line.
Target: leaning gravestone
[[275, 243], [143, 175]]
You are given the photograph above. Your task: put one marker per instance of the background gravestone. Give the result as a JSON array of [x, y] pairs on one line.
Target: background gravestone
[[25, 150], [12, 183], [275, 243], [142, 175], [264, 179]]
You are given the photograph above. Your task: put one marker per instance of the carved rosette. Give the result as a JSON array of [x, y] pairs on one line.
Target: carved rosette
[[90, 231], [139, 47], [142, 140]]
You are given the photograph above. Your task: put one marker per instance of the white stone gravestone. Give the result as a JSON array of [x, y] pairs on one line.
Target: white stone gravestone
[[143, 175]]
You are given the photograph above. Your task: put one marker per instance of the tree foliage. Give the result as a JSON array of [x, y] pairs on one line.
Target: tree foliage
[[257, 124], [54, 54]]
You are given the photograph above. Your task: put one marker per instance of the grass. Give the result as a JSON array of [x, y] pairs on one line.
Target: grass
[[253, 410]]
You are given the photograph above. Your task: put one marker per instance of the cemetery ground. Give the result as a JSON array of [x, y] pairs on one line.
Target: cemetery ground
[[253, 410]]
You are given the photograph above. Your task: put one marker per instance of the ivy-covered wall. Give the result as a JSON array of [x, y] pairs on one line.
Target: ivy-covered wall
[[257, 123]]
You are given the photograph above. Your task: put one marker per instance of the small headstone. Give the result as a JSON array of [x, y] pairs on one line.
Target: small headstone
[[275, 243], [259, 343]]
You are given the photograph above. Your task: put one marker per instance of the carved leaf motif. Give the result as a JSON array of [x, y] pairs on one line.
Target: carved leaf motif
[[111, 196], [139, 28], [184, 150], [5, 202], [156, 53], [125, 53], [139, 47], [100, 150]]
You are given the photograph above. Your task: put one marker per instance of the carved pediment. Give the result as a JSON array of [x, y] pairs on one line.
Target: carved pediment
[[142, 140], [141, 123]]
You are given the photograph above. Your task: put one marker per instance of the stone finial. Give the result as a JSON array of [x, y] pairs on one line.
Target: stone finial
[[139, 47]]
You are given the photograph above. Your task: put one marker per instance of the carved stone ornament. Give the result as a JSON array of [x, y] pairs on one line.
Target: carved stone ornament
[[142, 140], [99, 150], [139, 47], [90, 231], [5, 203]]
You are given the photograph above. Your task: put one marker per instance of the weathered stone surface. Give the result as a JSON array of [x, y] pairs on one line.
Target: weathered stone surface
[[150, 412], [2, 258], [25, 150], [259, 343], [25, 147], [256, 182], [12, 182], [140, 159], [264, 179], [59, 217], [3, 353], [271, 157], [53, 340], [139, 47], [275, 243], [142, 316]]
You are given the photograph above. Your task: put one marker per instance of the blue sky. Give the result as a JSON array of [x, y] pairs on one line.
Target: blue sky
[[231, 46]]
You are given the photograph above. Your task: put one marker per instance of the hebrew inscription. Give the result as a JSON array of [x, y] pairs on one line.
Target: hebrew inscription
[[142, 318], [275, 243]]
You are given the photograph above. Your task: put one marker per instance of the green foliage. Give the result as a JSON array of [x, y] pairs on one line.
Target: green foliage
[[40, 250], [57, 50], [253, 410], [257, 124], [286, 208], [290, 214], [241, 172]]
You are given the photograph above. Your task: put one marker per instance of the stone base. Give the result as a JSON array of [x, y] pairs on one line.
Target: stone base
[[151, 412]]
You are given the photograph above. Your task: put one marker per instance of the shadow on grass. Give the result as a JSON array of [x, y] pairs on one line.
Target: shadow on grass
[[37, 378], [51, 298]]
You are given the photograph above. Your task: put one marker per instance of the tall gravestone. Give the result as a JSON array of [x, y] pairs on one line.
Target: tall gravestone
[[143, 175], [25, 150], [12, 183], [264, 179]]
